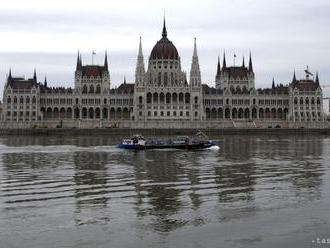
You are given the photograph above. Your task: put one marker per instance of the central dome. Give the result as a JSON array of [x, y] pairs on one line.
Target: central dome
[[164, 48]]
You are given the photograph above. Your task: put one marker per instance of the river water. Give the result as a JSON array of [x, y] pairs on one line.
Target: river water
[[255, 191]]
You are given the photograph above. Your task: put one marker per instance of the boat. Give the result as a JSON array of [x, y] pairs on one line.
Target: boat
[[138, 142]]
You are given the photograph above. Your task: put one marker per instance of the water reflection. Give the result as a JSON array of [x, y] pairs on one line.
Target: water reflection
[[160, 191]]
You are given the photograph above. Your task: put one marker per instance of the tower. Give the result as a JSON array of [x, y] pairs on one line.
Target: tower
[[195, 74], [139, 71]]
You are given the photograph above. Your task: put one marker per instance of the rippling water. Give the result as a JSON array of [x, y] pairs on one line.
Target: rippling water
[[256, 191]]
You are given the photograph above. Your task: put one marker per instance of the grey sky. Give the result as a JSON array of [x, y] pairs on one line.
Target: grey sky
[[282, 36]]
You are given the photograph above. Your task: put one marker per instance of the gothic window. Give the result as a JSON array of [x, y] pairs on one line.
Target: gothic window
[[98, 89], [165, 78], [149, 113], [307, 101], [168, 98], [187, 98], [105, 101], [34, 100], [295, 100], [91, 89], [8, 99], [84, 89], [313, 100], [168, 113], [140, 99], [301, 101], [155, 113], [27, 100], [159, 78], [15, 99], [149, 97], [196, 100], [318, 101], [77, 101]]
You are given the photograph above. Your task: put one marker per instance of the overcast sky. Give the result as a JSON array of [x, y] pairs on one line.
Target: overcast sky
[[283, 36]]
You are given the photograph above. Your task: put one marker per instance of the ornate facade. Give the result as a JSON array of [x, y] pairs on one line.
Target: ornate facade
[[162, 93]]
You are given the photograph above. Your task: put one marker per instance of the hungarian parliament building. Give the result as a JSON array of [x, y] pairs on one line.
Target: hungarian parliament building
[[162, 96]]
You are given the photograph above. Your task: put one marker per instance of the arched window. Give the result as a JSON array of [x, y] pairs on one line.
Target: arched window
[[91, 89], [295, 100], [8, 99], [196, 99], [140, 99], [27, 100], [15, 99], [84, 91], [21, 100], [34, 100], [98, 89], [301, 101]]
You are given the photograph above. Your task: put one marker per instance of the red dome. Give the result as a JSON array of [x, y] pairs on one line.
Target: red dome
[[164, 49]]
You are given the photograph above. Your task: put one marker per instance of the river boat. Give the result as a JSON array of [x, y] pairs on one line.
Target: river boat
[[196, 142]]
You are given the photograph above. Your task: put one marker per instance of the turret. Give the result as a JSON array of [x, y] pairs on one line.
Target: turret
[[224, 61], [195, 74], [35, 75], [317, 81], [140, 71], [79, 63], [294, 77], [250, 64], [106, 62]]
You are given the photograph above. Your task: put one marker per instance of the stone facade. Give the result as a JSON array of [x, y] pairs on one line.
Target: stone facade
[[161, 95]]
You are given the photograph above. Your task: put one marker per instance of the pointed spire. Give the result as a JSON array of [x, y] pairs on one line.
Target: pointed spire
[[243, 64], [35, 75], [294, 77], [9, 75], [273, 84], [77, 66], [250, 64], [164, 33], [45, 82], [106, 61], [195, 48], [317, 81], [224, 60], [140, 48], [124, 79], [218, 67]]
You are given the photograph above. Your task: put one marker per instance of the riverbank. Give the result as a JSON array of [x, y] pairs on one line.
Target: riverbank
[[162, 131]]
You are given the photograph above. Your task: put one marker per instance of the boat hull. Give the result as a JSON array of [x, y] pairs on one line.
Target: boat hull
[[195, 146]]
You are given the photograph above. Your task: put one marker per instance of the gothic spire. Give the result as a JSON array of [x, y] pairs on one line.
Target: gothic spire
[[164, 33], [195, 74], [45, 82], [106, 61], [77, 66], [124, 79], [9, 76], [250, 64], [243, 64], [294, 77], [273, 84], [35, 75], [218, 67], [140, 49], [195, 48], [224, 60], [317, 81]]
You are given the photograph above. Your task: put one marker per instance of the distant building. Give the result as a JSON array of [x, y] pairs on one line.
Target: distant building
[[160, 94]]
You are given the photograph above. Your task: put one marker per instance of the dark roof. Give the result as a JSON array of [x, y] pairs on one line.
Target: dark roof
[[279, 90], [236, 71], [164, 49], [21, 83], [125, 88], [305, 85], [93, 70], [210, 90]]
